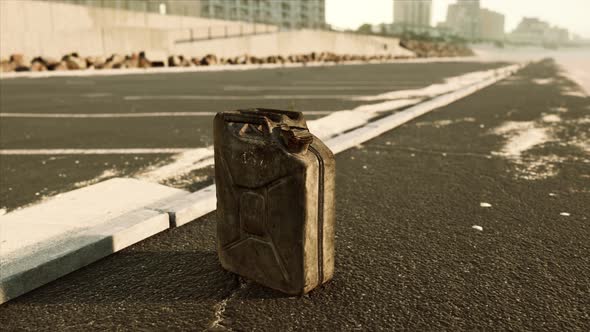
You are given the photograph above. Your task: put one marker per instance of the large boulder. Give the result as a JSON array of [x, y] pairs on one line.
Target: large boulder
[[178, 61], [131, 61], [209, 60], [143, 61], [96, 62], [19, 60], [6, 66], [74, 61], [38, 64], [114, 61]]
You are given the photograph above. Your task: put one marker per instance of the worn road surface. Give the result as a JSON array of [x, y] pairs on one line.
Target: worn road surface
[[475, 216]]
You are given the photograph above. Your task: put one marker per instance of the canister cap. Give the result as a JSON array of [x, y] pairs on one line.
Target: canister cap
[[296, 139]]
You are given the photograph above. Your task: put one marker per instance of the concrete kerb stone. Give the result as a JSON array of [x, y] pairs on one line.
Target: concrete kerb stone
[[189, 207], [43, 242], [74, 251]]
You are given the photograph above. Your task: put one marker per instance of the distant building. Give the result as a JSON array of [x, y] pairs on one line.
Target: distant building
[[290, 14], [412, 15], [535, 31], [398, 30], [463, 18], [165, 7], [491, 25]]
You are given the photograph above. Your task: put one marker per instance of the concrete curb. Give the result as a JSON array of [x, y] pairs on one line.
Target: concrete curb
[[43, 242], [189, 207]]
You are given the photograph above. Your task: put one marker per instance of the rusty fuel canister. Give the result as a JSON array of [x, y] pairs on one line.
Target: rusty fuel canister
[[275, 199]]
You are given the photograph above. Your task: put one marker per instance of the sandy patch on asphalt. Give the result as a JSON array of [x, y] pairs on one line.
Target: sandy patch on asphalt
[[551, 118], [543, 81], [521, 137]]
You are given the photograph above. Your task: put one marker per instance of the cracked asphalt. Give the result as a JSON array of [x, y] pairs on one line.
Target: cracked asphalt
[[407, 255]]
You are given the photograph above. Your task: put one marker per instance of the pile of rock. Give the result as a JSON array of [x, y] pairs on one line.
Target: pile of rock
[[73, 61], [211, 59], [425, 49]]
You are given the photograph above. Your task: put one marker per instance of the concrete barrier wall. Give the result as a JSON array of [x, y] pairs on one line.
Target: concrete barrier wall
[[53, 29], [295, 42]]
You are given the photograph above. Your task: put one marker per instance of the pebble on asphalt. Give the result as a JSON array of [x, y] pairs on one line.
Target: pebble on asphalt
[[479, 228], [484, 204], [565, 214]]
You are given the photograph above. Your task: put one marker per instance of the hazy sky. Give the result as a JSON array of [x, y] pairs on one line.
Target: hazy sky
[[571, 14]]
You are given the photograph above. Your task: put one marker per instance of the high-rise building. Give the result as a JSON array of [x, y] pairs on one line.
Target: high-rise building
[[463, 18], [412, 12], [290, 14], [491, 25]]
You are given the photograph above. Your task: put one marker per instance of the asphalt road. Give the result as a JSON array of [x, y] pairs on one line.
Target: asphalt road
[[26, 179], [408, 256]]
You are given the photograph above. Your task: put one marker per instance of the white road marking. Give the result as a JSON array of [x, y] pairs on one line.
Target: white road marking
[[373, 129], [451, 84], [124, 115], [358, 83], [234, 97], [308, 88], [28, 152], [182, 164]]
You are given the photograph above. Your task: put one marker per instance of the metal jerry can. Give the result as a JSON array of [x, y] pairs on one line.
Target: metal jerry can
[[275, 199]]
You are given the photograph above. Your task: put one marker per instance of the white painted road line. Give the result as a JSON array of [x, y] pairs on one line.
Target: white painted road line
[[26, 152], [183, 163], [309, 88], [123, 115], [358, 83], [104, 115], [234, 97], [373, 129]]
